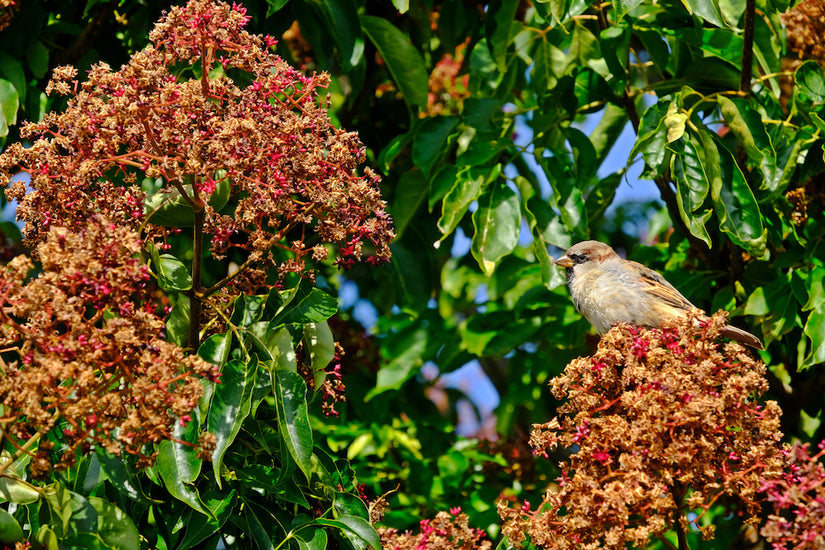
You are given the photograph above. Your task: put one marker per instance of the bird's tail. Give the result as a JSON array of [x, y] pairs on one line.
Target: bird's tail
[[741, 336]]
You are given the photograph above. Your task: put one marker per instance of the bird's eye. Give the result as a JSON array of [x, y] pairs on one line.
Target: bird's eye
[[579, 258]]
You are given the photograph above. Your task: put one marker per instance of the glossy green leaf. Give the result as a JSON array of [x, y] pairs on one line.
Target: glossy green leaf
[[410, 193], [736, 206], [431, 142], [356, 529], [118, 474], [178, 466], [707, 10], [17, 491], [652, 139], [10, 530], [500, 17], [497, 222], [37, 55], [467, 189], [230, 406], [200, 527], [315, 539], [11, 69], [341, 18], [305, 303], [746, 124], [810, 83], [402, 58], [9, 103], [320, 345], [168, 208], [114, 526], [403, 364], [257, 531], [215, 348], [177, 325], [293, 418], [624, 6], [248, 310], [173, 276], [815, 339]]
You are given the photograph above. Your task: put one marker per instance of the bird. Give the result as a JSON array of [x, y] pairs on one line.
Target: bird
[[608, 290]]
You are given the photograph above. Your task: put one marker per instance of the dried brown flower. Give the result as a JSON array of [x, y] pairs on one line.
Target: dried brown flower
[[805, 28], [83, 353], [224, 127], [662, 422], [447, 531]]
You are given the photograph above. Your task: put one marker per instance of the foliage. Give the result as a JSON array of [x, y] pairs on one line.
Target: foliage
[[504, 132]]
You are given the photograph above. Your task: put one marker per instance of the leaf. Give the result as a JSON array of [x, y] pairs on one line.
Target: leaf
[[318, 541], [815, 339], [652, 139], [431, 142], [410, 193], [623, 6], [404, 363], [230, 406], [746, 124], [172, 274], [307, 305], [403, 60], [37, 54], [10, 530], [810, 82], [177, 325], [293, 418], [17, 491], [320, 344], [114, 526], [341, 17], [499, 19], [178, 466], [118, 474], [675, 121], [169, 209], [9, 103], [247, 310], [215, 349], [735, 205], [466, 189], [355, 529], [689, 166], [200, 527], [497, 222], [707, 10]]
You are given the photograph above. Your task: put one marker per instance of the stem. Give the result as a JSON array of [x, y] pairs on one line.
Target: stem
[[194, 293], [747, 48], [678, 497]]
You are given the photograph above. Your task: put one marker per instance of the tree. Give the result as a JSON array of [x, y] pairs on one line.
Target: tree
[[495, 129]]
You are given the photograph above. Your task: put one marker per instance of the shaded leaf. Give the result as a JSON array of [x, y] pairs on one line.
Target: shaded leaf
[[403, 60], [293, 418], [497, 222], [230, 406]]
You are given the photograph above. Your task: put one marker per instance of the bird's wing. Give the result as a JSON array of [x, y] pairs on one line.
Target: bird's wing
[[658, 286]]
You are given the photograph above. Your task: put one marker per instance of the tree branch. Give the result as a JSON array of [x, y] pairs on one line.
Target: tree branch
[[747, 48]]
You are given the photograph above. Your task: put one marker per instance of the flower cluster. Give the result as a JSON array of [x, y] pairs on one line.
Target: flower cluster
[[7, 10], [447, 531], [236, 139], [805, 28], [448, 90], [83, 353], [798, 498], [662, 423]]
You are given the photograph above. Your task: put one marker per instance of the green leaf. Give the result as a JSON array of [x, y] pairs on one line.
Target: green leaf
[[810, 83], [466, 189], [257, 531], [403, 60], [230, 406], [293, 418], [114, 526], [37, 54], [652, 139], [11, 69], [320, 344], [10, 530], [746, 124], [623, 6], [405, 361], [9, 103], [499, 19], [689, 167], [169, 209], [247, 310], [307, 304], [356, 529], [173, 276], [735, 205], [223, 190], [215, 349], [410, 192], [318, 540], [341, 18], [497, 222], [177, 325], [431, 142], [120, 476], [707, 10], [17, 491], [815, 339], [178, 466]]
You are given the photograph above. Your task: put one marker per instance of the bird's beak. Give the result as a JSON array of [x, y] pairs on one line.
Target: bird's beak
[[564, 261]]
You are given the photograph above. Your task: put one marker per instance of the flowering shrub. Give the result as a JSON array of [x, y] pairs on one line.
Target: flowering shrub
[[798, 499], [662, 423], [85, 362], [447, 531]]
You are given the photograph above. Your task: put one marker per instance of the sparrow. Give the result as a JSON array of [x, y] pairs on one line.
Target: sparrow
[[608, 290]]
